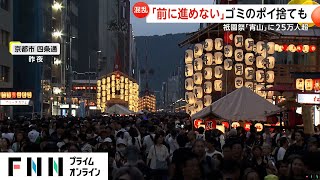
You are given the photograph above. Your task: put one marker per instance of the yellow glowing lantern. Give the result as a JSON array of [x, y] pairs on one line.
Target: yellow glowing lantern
[[108, 97], [104, 81], [189, 84], [249, 85], [208, 45], [270, 77], [238, 41], [238, 82], [113, 95], [189, 70], [207, 73], [207, 100], [218, 44], [108, 80], [4, 95], [300, 84], [218, 72], [249, 73], [188, 56], [271, 62], [103, 93], [218, 57], [113, 77], [208, 59], [305, 48], [249, 59], [103, 99], [99, 95], [261, 49], [108, 86], [121, 97], [122, 85], [98, 89], [259, 127], [228, 51], [126, 98], [113, 89], [260, 62], [103, 106], [238, 55], [260, 76], [199, 105], [228, 63], [99, 83], [108, 91], [191, 110], [271, 47], [259, 92], [280, 48], [24, 95], [197, 77], [98, 101], [121, 91], [218, 85], [308, 84], [249, 43], [126, 80], [235, 125], [198, 64], [238, 69], [190, 98], [198, 92], [29, 95], [270, 93], [207, 87], [126, 86], [198, 50], [292, 48], [276, 48], [113, 83]]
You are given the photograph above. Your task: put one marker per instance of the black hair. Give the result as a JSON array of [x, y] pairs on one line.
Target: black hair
[[158, 135], [152, 129], [226, 146], [282, 141], [182, 140], [201, 130], [235, 142], [133, 133]]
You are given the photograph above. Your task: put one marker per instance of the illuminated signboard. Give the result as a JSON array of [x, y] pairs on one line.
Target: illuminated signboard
[[15, 95], [308, 98], [14, 102], [308, 84]]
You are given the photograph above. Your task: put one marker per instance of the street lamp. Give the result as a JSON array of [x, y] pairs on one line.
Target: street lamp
[[57, 6], [57, 61], [57, 34]]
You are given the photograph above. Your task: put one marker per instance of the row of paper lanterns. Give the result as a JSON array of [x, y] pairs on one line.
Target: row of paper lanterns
[[295, 48]]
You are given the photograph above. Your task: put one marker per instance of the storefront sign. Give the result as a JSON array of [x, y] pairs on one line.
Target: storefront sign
[[308, 98], [308, 84], [15, 95], [12, 102]]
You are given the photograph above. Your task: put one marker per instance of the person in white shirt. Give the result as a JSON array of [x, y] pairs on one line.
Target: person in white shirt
[[135, 138], [148, 140], [283, 148], [121, 132], [210, 148], [172, 141]]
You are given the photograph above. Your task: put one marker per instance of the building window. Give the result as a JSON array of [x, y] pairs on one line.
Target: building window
[[4, 4], [4, 73], [5, 37]]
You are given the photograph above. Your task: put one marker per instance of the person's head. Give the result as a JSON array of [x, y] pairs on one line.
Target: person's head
[[282, 167], [312, 144], [133, 132], [182, 140], [257, 151], [191, 167], [284, 142], [266, 149], [231, 170], [128, 173], [152, 129], [158, 139], [297, 167], [201, 130], [121, 145], [199, 148], [4, 143], [237, 150], [250, 174], [19, 136], [299, 136], [227, 152], [192, 136], [210, 144]]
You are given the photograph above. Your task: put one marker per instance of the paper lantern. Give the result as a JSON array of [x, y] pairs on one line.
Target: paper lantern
[[198, 105], [188, 56], [225, 124], [300, 84], [198, 123], [113, 77], [249, 59], [312, 48], [218, 85], [238, 55], [103, 99], [218, 44], [188, 70], [104, 81], [198, 92], [299, 48], [259, 92], [208, 45], [218, 72], [259, 127], [238, 41], [305, 48], [207, 100], [208, 59], [228, 63], [260, 62], [260, 76], [238, 69], [103, 93], [189, 84], [190, 97], [207, 87], [292, 48], [308, 84], [221, 128], [280, 48], [271, 47], [276, 47], [192, 111], [207, 73], [269, 93], [270, 62], [99, 83], [228, 51], [238, 82], [270, 77], [249, 43], [234, 125], [249, 85], [284, 47], [249, 73], [228, 37], [247, 126], [198, 64], [197, 77], [218, 57], [261, 47], [198, 50]]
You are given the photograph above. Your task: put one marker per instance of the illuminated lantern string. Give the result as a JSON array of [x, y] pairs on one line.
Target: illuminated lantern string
[[299, 48], [284, 47], [312, 48]]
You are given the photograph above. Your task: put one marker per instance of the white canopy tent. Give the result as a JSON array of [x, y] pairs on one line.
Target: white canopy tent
[[118, 109], [241, 104]]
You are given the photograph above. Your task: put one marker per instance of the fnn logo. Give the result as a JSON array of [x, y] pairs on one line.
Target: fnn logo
[[34, 166]]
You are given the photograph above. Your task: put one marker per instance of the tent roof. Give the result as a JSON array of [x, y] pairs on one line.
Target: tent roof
[[118, 109], [241, 104]]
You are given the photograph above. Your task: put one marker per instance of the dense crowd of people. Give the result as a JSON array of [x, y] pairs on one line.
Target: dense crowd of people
[[167, 147]]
